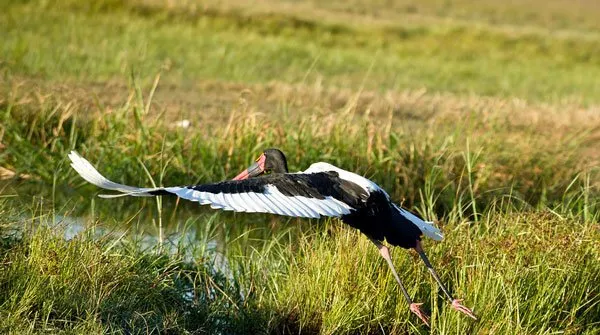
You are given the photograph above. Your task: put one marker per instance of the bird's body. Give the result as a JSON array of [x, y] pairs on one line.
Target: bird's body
[[374, 214], [320, 190]]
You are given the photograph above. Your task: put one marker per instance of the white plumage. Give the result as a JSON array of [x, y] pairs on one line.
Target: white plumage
[[89, 173]]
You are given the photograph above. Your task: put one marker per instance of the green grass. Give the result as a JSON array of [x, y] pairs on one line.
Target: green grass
[[88, 285], [480, 119], [100, 45], [520, 225], [524, 271]]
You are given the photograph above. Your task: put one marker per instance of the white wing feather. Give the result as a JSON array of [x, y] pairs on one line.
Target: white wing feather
[[89, 173]]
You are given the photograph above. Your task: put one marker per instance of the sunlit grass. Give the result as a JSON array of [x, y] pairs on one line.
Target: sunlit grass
[[520, 225], [522, 271], [480, 119]]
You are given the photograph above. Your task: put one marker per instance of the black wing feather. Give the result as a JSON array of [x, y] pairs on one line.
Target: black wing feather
[[313, 185]]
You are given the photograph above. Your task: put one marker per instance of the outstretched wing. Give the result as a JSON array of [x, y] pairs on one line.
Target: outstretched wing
[[297, 195]]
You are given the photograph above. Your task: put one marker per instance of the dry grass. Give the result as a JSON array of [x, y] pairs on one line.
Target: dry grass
[[413, 111]]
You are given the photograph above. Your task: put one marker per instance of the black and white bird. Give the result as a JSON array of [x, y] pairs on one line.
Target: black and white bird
[[321, 190]]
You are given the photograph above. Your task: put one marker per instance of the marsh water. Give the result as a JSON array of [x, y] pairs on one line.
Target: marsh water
[[162, 224]]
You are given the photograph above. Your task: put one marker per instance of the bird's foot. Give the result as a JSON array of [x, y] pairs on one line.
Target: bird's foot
[[459, 307], [416, 308]]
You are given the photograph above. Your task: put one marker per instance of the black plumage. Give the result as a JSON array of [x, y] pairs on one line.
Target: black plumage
[[372, 213]]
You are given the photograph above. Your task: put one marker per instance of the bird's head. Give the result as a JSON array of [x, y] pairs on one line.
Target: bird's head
[[271, 160]]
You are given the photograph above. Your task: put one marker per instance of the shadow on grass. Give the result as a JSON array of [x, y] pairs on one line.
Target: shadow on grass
[[81, 285]]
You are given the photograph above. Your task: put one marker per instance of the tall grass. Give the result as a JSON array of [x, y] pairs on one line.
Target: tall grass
[[525, 272], [99, 284], [444, 169], [512, 178], [520, 226]]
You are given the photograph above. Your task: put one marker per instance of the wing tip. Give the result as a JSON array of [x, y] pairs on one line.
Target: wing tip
[[90, 174]]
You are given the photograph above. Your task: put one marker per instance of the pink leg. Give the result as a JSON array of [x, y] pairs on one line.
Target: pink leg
[[414, 307], [455, 302]]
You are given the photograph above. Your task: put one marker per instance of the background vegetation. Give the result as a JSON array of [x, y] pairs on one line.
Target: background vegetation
[[479, 115]]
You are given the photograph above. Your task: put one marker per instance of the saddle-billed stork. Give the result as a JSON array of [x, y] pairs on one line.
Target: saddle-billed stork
[[321, 190]]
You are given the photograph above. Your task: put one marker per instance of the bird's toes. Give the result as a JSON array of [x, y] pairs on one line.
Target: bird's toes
[[416, 308], [456, 304]]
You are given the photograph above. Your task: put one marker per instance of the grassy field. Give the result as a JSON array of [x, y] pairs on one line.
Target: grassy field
[[482, 117]]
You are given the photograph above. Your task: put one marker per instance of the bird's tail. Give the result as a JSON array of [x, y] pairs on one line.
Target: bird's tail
[[431, 231], [426, 227], [89, 173]]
